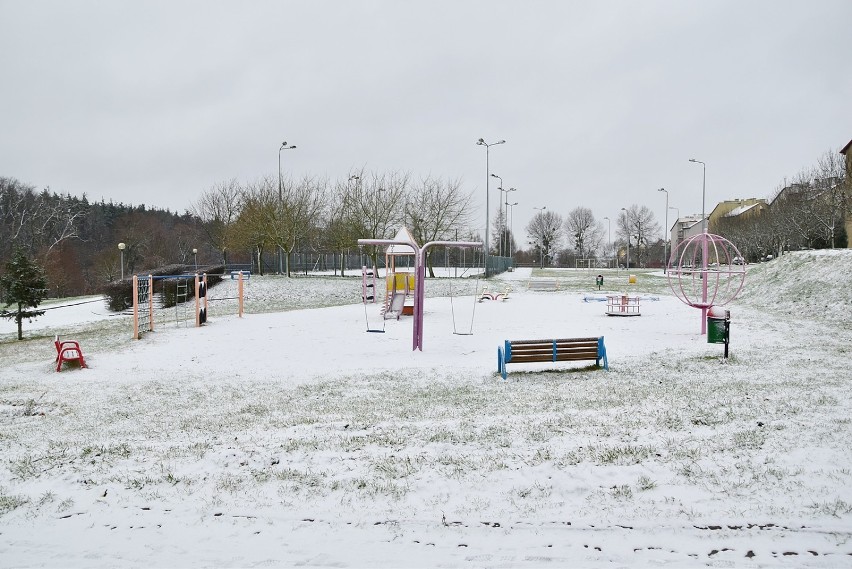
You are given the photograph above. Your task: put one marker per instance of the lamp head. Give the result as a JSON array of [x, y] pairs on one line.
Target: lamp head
[[283, 144], [661, 190], [480, 141], [494, 176], [500, 142], [121, 246]]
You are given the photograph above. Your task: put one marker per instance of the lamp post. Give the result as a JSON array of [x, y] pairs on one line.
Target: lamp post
[[284, 146], [541, 244], [121, 247], [704, 246], [627, 224], [510, 205], [665, 241], [503, 235], [481, 142], [500, 215], [608, 234], [703, 191], [195, 255]]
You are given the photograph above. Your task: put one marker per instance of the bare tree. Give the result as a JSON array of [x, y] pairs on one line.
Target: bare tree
[[38, 222], [378, 203], [637, 224], [300, 210], [437, 210], [831, 198], [252, 230], [792, 206], [343, 227], [546, 229], [584, 231], [217, 209]]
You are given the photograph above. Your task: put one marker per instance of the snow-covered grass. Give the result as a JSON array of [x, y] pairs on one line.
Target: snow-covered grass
[[292, 437]]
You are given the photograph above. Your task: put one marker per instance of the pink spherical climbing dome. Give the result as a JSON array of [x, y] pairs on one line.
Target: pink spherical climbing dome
[[706, 270]]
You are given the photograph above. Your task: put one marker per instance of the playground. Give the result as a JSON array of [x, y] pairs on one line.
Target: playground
[[292, 436]]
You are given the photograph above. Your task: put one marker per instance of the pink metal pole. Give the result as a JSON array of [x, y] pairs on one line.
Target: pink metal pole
[[704, 251], [419, 297]]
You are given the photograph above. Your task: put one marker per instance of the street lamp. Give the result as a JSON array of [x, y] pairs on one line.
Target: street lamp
[[284, 146], [541, 245], [504, 235], [121, 247], [608, 234], [510, 205], [195, 255], [481, 142], [665, 241], [627, 224], [703, 192], [500, 215]]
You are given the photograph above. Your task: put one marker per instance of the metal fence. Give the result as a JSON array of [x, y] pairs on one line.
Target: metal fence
[[329, 263]]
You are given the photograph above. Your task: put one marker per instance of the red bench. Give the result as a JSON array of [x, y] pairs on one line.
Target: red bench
[[68, 351]]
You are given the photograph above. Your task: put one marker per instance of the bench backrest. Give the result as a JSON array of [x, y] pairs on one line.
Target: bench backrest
[[565, 349]]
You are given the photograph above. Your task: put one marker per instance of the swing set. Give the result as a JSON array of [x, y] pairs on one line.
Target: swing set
[[405, 242]]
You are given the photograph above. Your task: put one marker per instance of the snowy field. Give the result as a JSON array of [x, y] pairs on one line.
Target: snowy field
[[292, 436]]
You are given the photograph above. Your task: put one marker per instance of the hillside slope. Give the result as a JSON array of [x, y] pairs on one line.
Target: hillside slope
[[817, 284]]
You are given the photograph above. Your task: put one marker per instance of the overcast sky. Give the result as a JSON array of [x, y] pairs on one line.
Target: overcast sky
[[600, 103]]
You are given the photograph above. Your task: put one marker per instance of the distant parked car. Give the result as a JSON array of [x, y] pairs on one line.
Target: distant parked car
[[738, 260]]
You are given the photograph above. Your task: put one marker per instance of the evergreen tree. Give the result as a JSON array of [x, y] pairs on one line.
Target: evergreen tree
[[25, 285]]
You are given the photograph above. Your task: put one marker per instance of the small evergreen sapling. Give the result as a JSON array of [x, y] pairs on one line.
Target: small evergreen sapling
[[25, 285]]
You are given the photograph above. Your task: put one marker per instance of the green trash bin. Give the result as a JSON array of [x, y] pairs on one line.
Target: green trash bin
[[599, 281], [715, 330], [719, 328]]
